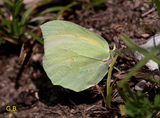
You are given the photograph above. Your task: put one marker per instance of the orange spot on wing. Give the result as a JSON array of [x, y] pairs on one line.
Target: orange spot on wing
[[71, 59]]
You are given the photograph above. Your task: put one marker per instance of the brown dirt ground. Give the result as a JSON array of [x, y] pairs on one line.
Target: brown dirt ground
[[36, 97]]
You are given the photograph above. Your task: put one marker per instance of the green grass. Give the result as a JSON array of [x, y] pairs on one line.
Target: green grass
[[14, 26], [137, 105]]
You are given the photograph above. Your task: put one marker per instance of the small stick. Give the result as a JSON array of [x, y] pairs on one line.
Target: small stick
[[148, 12]]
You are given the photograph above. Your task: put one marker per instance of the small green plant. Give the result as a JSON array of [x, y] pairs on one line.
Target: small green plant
[[15, 24], [16, 19], [142, 107], [124, 90], [130, 99]]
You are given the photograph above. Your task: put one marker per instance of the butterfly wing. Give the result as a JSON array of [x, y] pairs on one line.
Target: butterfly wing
[[75, 57]]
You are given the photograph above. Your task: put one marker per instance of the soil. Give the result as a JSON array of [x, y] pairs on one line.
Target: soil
[[26, 90]]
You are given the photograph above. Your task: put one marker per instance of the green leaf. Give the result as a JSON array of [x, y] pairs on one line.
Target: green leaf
[[65, 8], [75, 57]]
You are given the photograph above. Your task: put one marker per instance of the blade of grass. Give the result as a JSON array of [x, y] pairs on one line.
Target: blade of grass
[[36, 37], [6, 22], [15, 27], [139, 49], [1, 40], [52, 9], [27, 13], [16, 8], [44, 2], [127, 93], [9, 2], [75, 105], [141, 64], [5, 32], [15, 22], [122, 94], [122, 83], [65, 8], [25, 18]]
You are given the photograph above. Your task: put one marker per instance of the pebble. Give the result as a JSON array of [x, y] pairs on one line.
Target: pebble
[[145, 35], [152, 42], [141, 86]]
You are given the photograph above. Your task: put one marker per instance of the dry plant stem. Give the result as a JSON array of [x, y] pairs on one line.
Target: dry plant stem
[[148, 12], [11, 40], [26, 60], [100, 91]]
